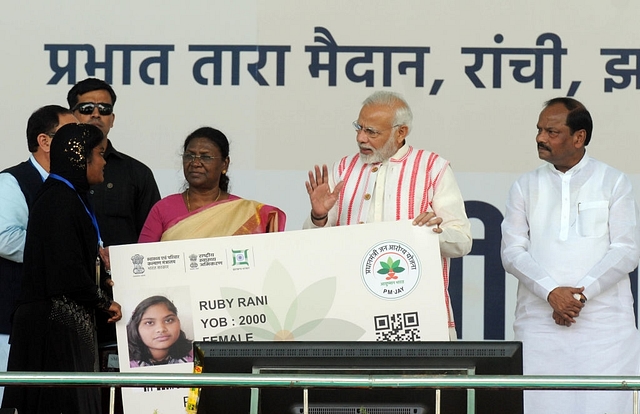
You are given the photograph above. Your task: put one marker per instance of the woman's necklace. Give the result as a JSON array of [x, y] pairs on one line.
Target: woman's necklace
[[189, 202]]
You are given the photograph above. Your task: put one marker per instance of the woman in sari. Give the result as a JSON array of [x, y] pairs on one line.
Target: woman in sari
[[206, 208]]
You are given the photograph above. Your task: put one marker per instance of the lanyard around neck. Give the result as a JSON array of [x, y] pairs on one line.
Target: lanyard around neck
[[89, 212]]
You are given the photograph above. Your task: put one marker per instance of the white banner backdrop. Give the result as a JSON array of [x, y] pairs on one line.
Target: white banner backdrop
[[475, 74]]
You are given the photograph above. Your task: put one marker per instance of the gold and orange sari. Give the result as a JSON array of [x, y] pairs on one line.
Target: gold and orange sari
[[227, 218]]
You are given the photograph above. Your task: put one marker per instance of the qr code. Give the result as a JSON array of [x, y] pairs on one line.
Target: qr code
[[397, 327]]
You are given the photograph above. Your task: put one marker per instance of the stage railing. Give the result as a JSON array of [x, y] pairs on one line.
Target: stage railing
[[305, 382]]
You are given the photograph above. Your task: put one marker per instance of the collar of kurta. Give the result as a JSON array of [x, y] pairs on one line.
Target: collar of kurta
[[575, 168], [399, 155]]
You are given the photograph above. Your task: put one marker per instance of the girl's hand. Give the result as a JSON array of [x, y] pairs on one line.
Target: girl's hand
[[115, 312]]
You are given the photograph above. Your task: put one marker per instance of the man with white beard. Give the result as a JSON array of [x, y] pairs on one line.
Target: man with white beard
[[389, 180]]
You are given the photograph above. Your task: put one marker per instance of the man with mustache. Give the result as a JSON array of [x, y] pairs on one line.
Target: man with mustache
[[125, 197], [129, 190], [570, 236], [389, 180]]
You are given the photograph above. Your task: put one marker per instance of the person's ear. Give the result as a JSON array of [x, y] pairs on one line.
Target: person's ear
[[401, 134], [579, 138], [44, 142]]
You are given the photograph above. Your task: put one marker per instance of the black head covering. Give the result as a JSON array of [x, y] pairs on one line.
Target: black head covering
[[70, 148]]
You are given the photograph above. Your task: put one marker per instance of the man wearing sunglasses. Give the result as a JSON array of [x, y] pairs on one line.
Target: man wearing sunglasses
[[389, 180], [18, 187], [129, 190]]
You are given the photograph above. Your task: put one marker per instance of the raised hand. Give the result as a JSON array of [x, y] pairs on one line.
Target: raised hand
[[320, 195]]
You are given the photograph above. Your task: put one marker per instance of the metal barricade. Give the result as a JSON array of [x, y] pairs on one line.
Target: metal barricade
[[307, 382]]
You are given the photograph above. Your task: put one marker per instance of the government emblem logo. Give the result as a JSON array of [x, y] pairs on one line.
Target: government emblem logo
[[390, 270], [137, 260], [240, 257]]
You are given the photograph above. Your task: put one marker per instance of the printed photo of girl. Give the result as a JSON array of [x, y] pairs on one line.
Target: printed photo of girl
[[155, 336]]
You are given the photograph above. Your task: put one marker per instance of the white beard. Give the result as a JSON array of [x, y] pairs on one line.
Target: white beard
[[381, 154]]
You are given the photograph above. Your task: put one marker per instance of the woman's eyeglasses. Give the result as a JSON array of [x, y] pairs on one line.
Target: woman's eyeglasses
[[86, 108], [204, 159]]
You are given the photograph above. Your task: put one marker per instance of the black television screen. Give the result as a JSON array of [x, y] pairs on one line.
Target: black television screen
[[359, 358]]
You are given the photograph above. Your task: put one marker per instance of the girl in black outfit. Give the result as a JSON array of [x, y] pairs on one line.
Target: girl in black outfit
[[53, 325]]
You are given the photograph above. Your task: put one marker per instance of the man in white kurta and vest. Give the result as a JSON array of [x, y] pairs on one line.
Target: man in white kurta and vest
[[570, 235], [389, 180]]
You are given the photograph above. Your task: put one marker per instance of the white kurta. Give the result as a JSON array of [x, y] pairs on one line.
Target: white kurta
[[578, 228]]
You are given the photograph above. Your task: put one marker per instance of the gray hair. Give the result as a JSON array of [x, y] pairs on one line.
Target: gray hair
[[403, 116]]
